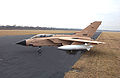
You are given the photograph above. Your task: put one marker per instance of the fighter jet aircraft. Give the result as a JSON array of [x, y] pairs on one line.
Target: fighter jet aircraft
[[78, 41]]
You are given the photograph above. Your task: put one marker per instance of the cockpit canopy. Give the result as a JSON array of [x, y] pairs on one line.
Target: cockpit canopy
[[42, 35]]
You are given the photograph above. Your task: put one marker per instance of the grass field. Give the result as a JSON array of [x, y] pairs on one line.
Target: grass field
[[29, 32], [102, 61]]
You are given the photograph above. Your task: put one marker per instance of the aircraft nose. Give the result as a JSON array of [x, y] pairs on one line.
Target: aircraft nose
[[23, 42]]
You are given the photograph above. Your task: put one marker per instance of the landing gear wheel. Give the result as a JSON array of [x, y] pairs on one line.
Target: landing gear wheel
[[71, 52]]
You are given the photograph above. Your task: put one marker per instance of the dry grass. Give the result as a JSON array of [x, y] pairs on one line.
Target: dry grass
[[29, 32], [103, 61]]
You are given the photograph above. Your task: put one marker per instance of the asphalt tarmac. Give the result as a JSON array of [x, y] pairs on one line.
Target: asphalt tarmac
[[18, 61]]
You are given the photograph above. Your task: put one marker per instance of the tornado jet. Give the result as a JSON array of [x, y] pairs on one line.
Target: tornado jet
[[81, 40]]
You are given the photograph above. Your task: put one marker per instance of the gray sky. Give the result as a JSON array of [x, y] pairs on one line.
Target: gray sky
[[61, 13]]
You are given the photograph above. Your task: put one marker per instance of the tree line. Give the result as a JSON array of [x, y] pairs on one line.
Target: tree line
[[14, 27]]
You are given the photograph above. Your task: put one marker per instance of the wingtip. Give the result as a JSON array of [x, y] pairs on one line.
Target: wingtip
[[102, 43], [98, 21]]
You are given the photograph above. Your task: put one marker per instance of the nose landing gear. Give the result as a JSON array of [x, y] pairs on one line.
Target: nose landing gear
[[39, 50]]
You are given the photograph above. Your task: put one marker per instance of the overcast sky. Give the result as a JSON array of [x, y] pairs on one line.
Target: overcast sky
[[61, 13]]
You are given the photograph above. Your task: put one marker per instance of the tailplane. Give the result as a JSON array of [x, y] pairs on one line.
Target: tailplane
[[90, 30]]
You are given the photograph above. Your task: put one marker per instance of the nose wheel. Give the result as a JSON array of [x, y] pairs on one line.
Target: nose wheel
[[39, 50]]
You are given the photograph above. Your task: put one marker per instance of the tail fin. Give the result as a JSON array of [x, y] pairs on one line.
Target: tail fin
[[90, 30]]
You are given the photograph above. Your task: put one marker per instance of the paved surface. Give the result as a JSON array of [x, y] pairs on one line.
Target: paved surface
[[18, 61]]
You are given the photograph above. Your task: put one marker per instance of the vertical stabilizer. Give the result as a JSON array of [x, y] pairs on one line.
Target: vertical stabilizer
[[90, 30]]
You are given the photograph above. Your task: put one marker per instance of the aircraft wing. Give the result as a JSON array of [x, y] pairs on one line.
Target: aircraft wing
[[80, 40]]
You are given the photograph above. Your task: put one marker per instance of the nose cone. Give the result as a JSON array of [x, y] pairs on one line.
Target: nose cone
[[23, 42]]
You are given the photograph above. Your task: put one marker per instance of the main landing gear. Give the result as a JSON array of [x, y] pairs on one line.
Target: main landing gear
[[71, 52]]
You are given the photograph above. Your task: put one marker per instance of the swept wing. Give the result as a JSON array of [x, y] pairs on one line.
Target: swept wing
[[81, 40]]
